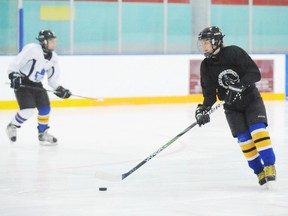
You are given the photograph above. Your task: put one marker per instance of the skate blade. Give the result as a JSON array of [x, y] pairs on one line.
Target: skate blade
[[269, 185], [10, 138], [11, 141], [44, 143]]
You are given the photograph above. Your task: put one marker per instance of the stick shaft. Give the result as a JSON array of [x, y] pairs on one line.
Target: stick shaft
[[53, 91], [125, 175], [158, 151], [37, 88]]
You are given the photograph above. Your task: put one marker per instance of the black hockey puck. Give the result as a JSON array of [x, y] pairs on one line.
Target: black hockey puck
[[102, 189]]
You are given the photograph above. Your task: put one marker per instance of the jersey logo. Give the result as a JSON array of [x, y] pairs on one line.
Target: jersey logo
[[39, 75], [228, 73]]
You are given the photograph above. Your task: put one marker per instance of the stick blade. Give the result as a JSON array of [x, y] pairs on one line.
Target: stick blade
[[123, 176], [108, 176]]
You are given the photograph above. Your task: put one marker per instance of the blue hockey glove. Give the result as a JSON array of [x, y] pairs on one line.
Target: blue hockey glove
[[202, 114]]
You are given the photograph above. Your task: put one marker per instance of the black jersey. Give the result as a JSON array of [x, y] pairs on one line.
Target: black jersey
[[233, 62]]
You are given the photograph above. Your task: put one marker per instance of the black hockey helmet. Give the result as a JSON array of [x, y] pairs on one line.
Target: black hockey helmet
[[215, 35], [43, 37]]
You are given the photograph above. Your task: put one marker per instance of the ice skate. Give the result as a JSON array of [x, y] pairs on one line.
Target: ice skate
[[262, 178], [270, 173], [47, 139], [11, 131]]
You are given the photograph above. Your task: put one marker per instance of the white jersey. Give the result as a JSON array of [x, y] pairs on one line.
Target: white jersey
[[30, 62]]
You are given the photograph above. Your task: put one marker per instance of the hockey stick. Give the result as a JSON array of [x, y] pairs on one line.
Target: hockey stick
[[47, 90], [111, 177]]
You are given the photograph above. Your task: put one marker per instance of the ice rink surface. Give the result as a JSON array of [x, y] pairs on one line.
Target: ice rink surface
[[203, 173]]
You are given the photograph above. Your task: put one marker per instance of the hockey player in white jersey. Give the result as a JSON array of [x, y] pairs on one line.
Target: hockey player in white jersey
[[26, 72]]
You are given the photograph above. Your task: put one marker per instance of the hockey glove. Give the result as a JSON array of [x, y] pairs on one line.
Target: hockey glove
[[202, 114], [62, 92], [234, 93], [16, 80]]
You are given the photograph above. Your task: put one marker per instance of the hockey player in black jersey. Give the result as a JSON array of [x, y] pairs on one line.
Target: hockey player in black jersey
[[230, 74], [26, 73]]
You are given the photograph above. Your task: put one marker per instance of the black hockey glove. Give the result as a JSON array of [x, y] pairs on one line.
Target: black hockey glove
[[16, 80], [235, 90], [202, 114], [62, 92], [234, 93]]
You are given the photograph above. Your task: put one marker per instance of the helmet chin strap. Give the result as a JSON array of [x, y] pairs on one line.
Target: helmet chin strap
[[47, 53], [210, 55], [45, 49]]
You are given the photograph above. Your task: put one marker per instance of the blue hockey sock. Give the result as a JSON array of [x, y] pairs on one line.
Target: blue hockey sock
[[43, 118], [262, 141], [250, 152]]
